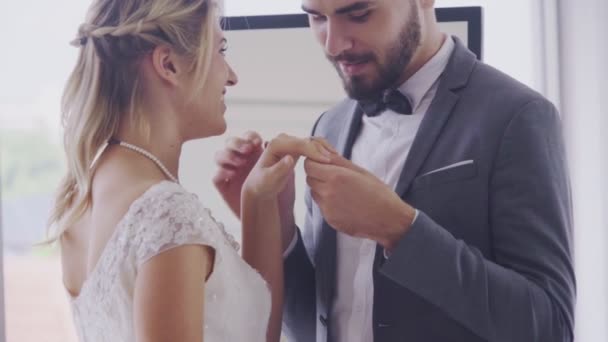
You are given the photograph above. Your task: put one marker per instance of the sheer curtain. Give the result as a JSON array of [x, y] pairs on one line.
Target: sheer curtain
[[583, 54]]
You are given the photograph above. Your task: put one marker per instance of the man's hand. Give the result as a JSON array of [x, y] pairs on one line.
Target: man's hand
[[273, 177], [357, 203]]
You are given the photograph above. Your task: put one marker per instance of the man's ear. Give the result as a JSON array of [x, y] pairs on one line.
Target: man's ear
[[166, 64]]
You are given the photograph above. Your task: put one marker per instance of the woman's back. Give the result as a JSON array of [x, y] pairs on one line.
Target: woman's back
[[236, 299], [120, 178]]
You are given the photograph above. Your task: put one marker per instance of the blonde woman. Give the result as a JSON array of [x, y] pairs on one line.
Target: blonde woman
[[143, 259]]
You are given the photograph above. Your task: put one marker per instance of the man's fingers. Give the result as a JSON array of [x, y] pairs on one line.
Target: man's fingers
[[316, 197], [319, 171], [325, 144], [314, 183], [314, 150], [312, 146], [336, 158], [339, 160]]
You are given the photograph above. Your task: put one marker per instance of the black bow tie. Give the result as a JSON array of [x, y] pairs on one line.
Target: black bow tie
[[391, 99]]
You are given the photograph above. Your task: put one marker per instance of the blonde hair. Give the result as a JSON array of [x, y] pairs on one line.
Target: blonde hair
[[105, 84]]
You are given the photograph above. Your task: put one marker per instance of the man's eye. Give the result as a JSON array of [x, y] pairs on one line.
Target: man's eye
[[360, 16], [317, 17]]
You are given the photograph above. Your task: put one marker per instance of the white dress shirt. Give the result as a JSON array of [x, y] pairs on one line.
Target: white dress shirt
[[381, 148]]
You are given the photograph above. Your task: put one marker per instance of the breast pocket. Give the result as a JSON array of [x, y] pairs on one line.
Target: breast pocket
[[456, 198], [452, 173]]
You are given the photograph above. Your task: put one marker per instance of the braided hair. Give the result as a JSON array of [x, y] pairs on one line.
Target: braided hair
[[105, 83]]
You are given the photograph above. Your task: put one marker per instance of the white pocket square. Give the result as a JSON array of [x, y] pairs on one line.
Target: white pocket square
[[451, 166]]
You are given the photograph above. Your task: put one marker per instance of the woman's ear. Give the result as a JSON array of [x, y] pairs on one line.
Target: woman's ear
[[166, 64]]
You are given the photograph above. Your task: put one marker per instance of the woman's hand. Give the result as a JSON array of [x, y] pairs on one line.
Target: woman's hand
[[262, 224], [272, 171]]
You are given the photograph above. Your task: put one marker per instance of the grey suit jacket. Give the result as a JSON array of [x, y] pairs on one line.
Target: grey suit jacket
[[489, 257]]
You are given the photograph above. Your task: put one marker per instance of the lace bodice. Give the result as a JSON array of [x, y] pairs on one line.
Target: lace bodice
[[237, 299]]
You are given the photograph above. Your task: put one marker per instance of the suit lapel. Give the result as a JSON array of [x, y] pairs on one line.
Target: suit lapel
[[427, 134], [348, 137], [325, 258], [455, 76]]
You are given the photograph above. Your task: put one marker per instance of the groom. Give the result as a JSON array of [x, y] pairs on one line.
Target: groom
[[449, 219]]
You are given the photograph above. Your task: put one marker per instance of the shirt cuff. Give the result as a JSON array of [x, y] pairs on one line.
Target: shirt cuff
[[386, 253], [292, 245]]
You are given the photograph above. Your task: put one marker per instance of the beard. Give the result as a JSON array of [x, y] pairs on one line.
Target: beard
[[398, 54]]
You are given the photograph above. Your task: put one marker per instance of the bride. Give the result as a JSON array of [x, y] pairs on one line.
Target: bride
[[143, 259]]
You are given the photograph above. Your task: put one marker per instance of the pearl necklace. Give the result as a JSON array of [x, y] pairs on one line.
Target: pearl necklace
[[146, 154]]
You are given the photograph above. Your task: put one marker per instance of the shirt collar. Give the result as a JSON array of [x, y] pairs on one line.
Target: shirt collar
[[418, 85]]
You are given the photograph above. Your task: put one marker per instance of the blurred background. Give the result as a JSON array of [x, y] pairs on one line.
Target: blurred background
[[558, 48]]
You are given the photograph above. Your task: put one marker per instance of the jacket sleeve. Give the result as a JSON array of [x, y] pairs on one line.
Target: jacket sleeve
[[526, 293]]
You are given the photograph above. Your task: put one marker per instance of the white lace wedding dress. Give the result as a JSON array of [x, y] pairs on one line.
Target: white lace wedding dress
[[237, 299]]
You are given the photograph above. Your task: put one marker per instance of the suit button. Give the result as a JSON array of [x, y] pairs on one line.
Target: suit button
[[323, 320]]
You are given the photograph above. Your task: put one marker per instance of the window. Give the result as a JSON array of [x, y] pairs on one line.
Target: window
[[37, 60]]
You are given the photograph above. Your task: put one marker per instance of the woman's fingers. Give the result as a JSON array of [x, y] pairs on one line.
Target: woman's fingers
[[238, 144], [313, 148], [248, 143], [222, 178], [230, 159], [253, 137], [282, 169]]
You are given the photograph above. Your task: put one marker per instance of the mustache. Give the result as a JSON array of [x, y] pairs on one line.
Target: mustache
[[351, 58]]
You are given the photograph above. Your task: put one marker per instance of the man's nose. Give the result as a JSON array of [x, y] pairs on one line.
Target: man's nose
[[337, 39]]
